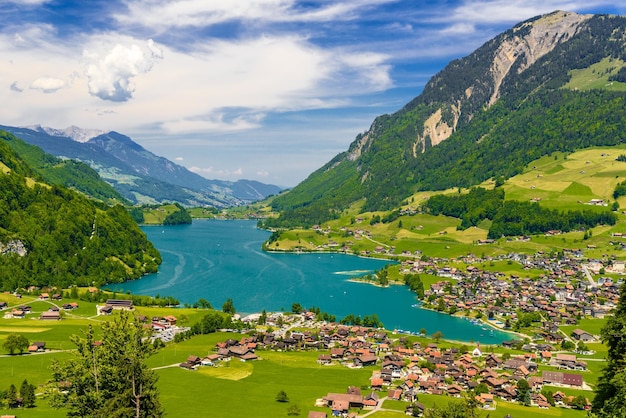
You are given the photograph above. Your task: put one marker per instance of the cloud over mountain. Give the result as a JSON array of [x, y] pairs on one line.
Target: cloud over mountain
[[110, 75]]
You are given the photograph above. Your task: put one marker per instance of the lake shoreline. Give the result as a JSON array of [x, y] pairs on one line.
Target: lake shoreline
[[221, 260]]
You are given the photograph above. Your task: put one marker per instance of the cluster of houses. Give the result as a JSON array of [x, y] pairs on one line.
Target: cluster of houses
[[403, 371], [53, 313], [562, 294]]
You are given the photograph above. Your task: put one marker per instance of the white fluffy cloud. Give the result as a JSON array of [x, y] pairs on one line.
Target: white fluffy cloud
[[48, 84], [110, 75]]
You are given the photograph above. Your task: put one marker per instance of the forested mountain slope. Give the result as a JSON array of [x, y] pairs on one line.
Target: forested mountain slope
[[513, 100], [60, 172], [50, 235]]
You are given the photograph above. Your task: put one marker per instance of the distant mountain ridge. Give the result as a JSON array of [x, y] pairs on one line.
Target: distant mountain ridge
[[523, 94], [138, 174]]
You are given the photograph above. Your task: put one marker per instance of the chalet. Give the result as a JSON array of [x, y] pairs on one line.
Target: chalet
[[239, 351], [41, 346], [395, 394], [493, 361], [559, 398], [567, 361], [376, 383], [485, 400], [18, 313], [50, 315], [324, 359], [365, 360], [120, 304], [455, 390], [105, 310], [187, 365], [3, 305], [317, 414], [336, 353], [508, 393], [562, 378], [539, 400], [249, 357], [342, 402], [371, 400], [194, 360], [410, 410], [581, 335]]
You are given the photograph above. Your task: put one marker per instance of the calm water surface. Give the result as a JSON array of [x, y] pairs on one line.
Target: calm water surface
[[216, 260]]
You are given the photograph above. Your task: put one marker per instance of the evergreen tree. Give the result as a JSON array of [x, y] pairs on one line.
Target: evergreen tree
[[610, 399], [11, 396], [282, 396], [27, 392], [228, 307], [109, 379]]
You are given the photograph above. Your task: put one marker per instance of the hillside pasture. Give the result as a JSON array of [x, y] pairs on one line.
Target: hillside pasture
[[597, 76]]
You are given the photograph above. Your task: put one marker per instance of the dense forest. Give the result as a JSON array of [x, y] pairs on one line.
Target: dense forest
[[534, 116], [512, 218], [51, 235]]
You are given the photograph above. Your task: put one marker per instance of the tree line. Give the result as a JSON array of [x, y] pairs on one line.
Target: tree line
[[513, 218]]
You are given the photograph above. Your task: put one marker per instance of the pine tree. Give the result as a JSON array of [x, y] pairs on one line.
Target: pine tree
[[27, 392], [109, 378], [610, 399], [11, 396]]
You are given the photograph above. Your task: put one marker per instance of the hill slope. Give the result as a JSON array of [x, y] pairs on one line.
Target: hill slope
[[60, 172], [483, 116], [50, 235], [138, 174]]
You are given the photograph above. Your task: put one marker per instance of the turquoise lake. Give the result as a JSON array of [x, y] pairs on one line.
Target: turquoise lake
[[216, 260]]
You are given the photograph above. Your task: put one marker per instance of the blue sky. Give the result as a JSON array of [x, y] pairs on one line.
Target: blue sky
[[268, 90]]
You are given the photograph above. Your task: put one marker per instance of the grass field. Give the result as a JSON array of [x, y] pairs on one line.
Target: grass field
[[597, 76]]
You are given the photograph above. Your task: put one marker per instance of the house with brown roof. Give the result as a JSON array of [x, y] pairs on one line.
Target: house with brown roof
[[365, 360], [317, 414], [341, 402], [582, 335], [324, 359], [50, 315]]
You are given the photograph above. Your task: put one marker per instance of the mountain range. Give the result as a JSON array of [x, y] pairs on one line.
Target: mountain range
[[554, 83], [137, 174]]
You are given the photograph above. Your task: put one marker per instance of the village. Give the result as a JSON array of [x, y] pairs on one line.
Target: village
[[403, 370]]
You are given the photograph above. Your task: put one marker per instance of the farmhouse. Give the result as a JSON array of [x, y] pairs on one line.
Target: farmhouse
[[581, 335], [37, 346], [120, 304], [562, 378], [342, 402], [50, 315]]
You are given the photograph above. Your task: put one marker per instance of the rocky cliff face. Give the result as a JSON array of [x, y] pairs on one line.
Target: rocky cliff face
[[13, 247], [516, 50]]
